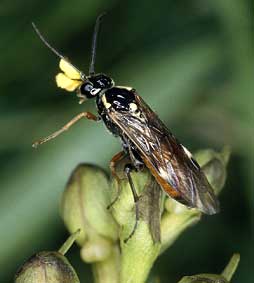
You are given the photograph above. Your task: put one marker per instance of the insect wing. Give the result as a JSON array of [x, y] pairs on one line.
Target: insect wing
[[171, 164]]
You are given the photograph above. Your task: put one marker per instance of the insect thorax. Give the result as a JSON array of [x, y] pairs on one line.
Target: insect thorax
[[120, 99]]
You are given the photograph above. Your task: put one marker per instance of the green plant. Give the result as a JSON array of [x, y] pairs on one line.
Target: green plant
[[103, 232]]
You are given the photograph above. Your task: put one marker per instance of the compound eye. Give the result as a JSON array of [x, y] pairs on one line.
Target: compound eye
[[86, 88]]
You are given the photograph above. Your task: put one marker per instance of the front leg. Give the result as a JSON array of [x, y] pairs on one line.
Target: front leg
[[87, 115]]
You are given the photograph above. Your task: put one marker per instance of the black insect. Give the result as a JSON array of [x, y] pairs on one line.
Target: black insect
[[145, 139]]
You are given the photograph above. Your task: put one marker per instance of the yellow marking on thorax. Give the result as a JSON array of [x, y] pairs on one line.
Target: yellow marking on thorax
[[125, 87], [104, 101], [135, 111], [133, 107]]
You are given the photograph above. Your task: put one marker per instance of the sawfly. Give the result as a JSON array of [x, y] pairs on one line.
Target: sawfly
[[144, 137]]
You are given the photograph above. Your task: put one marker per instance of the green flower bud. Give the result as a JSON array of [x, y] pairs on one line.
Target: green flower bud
[[84, 206], [47, 267], [225, 277], [204, 278], [214, 165], [178, 217], [141, 249]]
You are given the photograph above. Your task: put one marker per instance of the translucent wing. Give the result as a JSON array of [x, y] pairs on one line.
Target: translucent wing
[[171, 164]]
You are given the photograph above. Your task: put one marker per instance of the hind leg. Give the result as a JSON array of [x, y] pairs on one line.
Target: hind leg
[[116, 158], [128, 168]]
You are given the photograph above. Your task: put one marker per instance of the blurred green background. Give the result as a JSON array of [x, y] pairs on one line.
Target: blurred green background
[[192, 61]]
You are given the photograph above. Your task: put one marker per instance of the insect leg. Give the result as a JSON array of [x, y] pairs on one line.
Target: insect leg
[[87, 115], [128, 168], [112, 165], [134, 156], [116, 158]]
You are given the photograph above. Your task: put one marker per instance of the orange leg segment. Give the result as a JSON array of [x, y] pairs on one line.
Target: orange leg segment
[[112, 165]]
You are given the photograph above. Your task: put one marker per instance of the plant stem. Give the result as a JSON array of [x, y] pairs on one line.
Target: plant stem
[[231, 267], [108, 271], [68, 243]]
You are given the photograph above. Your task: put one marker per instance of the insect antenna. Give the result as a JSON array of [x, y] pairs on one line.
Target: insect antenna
[[43, 39], [57, 53], [94, 43]]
